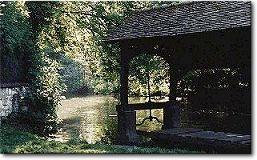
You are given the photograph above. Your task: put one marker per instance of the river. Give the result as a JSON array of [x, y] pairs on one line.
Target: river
[[94, 119]]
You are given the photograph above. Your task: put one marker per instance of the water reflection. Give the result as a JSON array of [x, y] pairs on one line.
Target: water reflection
[[141, 114], [93, 118], [89, 128], [91, 113]]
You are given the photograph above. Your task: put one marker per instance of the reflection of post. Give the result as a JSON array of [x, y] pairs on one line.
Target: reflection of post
[[126, 116], [171, 112]]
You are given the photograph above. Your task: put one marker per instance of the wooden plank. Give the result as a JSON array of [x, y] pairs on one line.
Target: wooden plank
[[218, 136], [145, 106], [146, 133], [218, 141], [237, 138], [177, 131], [247, 142], [208, 135], [202, 134]]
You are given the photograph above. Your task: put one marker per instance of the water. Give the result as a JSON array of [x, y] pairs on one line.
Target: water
[[93, 118], [88, 118]]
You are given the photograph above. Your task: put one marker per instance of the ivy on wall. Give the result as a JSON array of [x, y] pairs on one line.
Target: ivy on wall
[[38, 66]]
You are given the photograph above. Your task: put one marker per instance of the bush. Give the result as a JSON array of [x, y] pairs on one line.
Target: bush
[[45, 91]]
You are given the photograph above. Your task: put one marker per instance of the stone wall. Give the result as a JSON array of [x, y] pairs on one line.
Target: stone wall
[[9, 100]]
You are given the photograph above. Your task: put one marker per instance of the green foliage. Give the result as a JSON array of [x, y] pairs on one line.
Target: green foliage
[[10, 138], [15, 42], [15, 27], [153, 66], [216, 78], [77, 29], [41, 64], [41, 14], [45, 91]]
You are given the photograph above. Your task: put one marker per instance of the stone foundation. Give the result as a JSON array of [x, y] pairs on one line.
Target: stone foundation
[[9, 99]]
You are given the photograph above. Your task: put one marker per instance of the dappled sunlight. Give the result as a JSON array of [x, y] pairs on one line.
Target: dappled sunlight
[[90, 129], [149, 125]]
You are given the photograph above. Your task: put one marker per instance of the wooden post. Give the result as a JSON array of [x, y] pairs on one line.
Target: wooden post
[[171, 113], [124, 72], [126, 116]]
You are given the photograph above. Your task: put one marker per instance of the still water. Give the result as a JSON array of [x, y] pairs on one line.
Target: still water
[[94, 119]]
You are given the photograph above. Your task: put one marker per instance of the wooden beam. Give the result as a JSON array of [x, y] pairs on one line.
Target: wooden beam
[[124, 71], [173, 82], [145, 106]]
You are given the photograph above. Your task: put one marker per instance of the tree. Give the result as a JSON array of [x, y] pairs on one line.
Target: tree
[[50, 37]]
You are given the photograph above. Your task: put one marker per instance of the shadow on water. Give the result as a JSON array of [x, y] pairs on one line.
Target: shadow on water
[[94, 120]]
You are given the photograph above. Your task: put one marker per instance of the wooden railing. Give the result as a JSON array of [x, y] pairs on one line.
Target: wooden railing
[[147, 105]]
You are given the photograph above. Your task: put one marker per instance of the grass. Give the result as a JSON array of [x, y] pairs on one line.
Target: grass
[[15, 141]]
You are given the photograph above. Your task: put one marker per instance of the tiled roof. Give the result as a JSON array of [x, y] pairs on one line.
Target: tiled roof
[[183, 19]]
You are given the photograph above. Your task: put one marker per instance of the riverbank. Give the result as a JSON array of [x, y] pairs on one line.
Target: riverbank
[[15, 141]]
